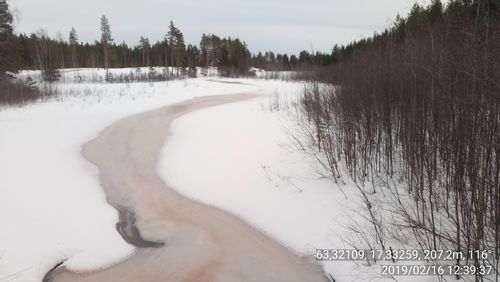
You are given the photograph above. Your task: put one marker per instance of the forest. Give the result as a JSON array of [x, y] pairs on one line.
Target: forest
[[39, 51], [418, 106]]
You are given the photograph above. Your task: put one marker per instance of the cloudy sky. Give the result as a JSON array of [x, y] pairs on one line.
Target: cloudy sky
[[278, 25]]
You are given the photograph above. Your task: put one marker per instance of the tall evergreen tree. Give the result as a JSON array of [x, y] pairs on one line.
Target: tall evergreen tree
[[145, 49], [5, 18], [175, 40], [73, 41], [106, 39], [193, 59]]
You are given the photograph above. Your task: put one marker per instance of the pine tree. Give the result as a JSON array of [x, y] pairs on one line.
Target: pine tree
[[106, 39], [193, 57], [145, 49], [73, 41], [171, 41], [286, 62], [435, 10], [5, 18], [175, 40]]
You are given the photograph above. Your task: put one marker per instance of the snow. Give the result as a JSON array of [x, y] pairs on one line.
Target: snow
[[52, 207], [244, 162], [243, 159], [275, 75], [238, 157], [85, 75]]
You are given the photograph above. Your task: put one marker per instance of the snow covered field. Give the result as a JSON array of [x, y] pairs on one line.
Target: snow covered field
[[237, 157], [52, 207], [85, 75], [241, 158], [244, 159]]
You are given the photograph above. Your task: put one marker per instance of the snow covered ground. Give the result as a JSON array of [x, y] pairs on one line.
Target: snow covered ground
[[238, 157], [86, 75], [241, 158], [52, 207]]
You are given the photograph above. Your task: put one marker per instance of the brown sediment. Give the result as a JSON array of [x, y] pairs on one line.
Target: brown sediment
[[177, 239]]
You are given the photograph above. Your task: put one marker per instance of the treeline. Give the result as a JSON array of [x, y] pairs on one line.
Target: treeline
[[304, 61], [420, 102], [231, 57], [39, 51]]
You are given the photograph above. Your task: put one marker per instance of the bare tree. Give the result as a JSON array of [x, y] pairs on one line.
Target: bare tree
[[420, 103]]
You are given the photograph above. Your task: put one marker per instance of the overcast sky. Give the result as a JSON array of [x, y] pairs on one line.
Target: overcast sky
[[277, 25]]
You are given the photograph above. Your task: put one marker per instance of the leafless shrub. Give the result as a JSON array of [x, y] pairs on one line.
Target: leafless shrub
[[424, 109], [14, 93]]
